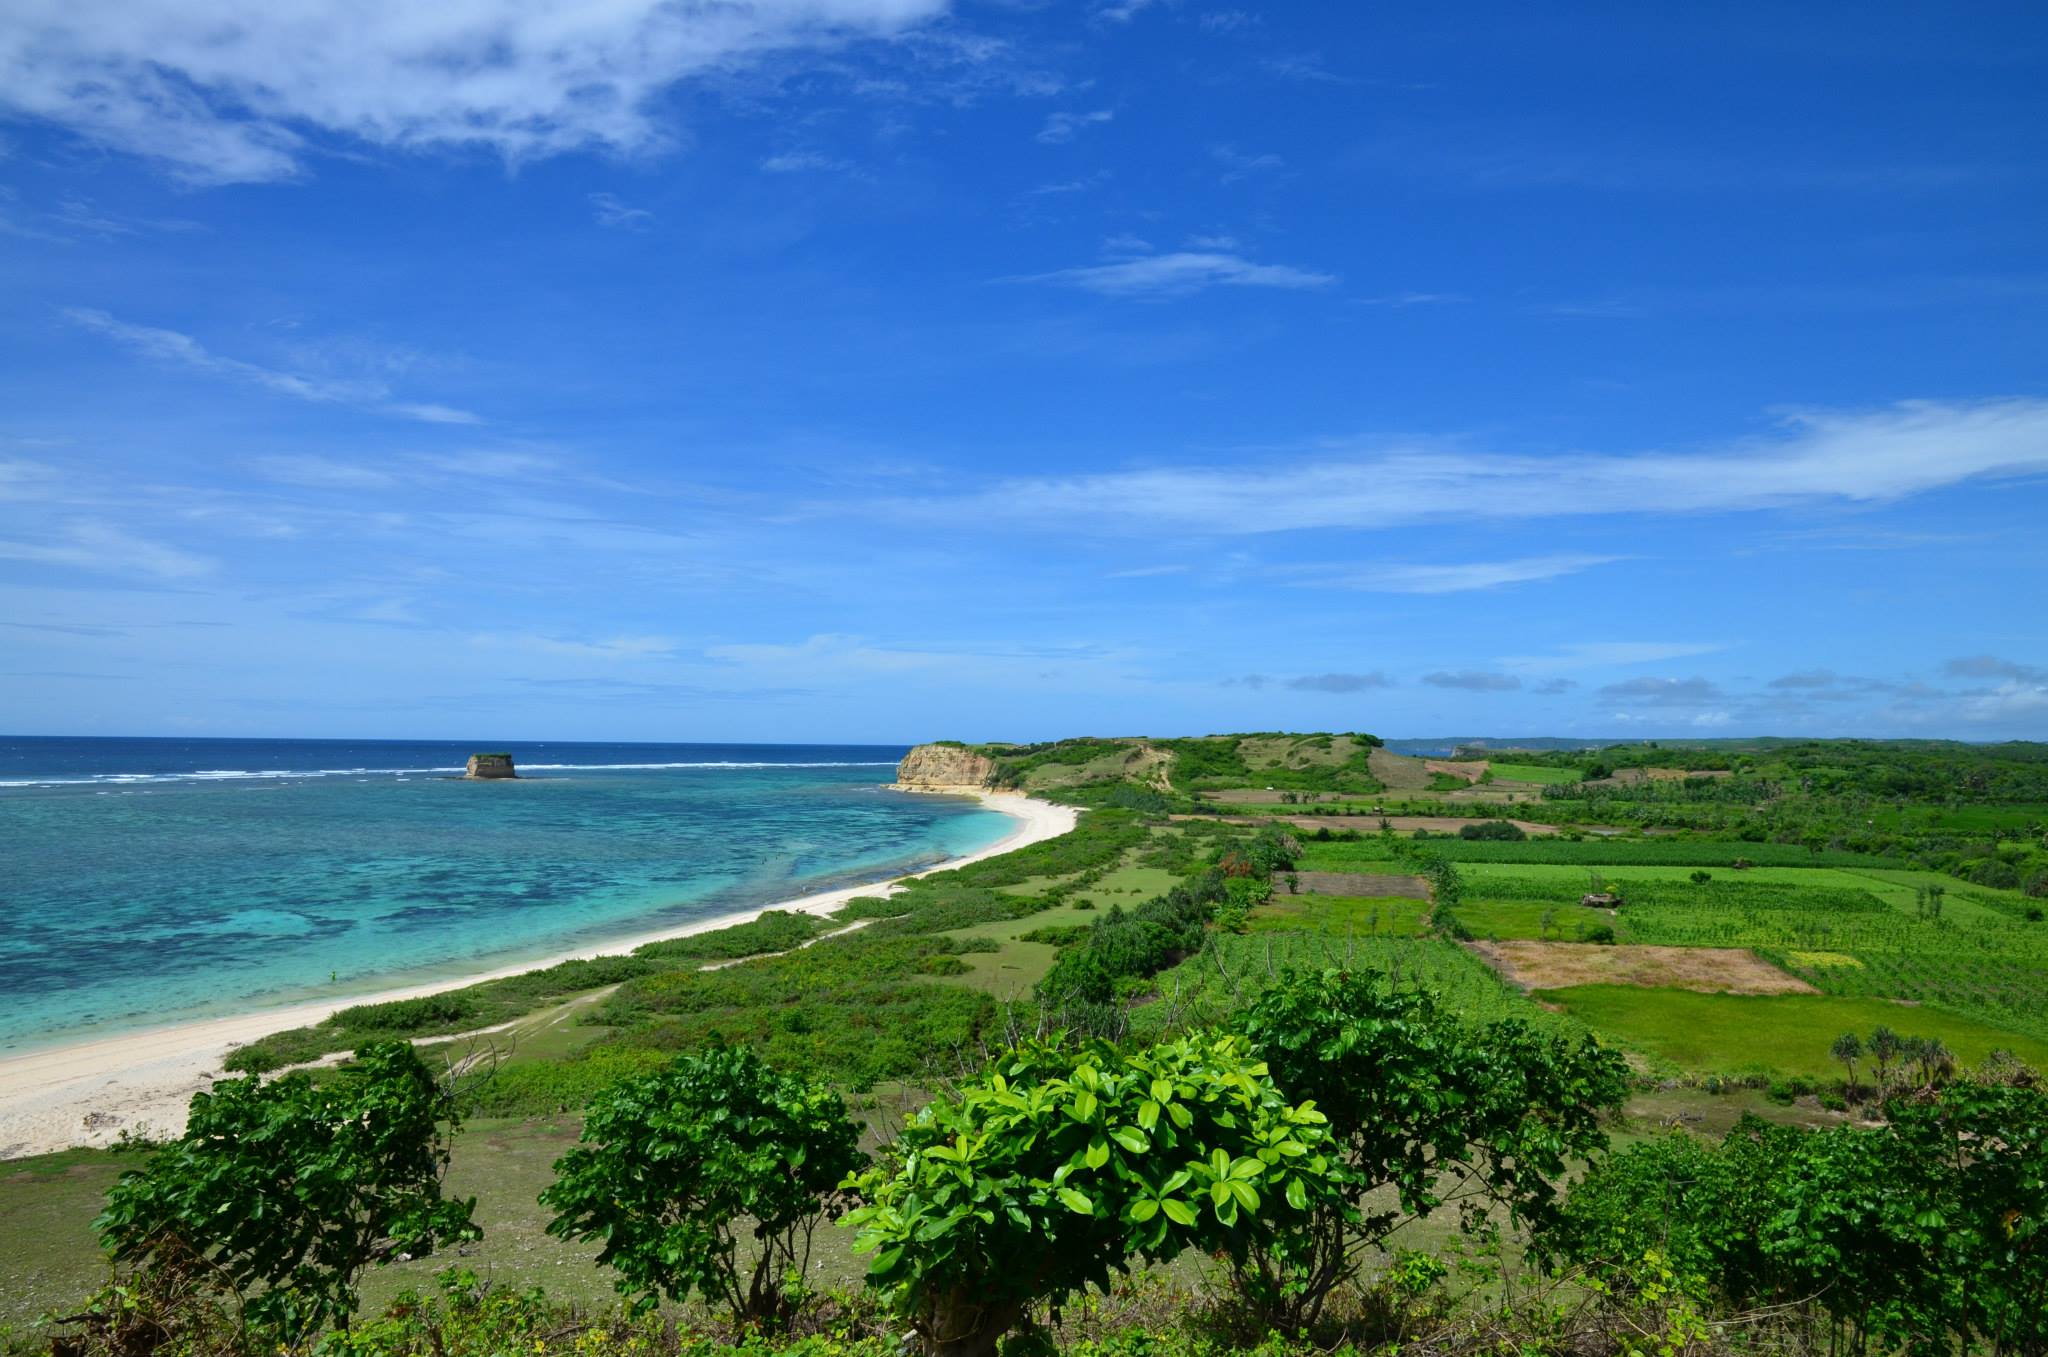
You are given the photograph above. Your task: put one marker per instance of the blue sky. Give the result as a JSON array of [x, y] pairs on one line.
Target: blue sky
[[895, 369]]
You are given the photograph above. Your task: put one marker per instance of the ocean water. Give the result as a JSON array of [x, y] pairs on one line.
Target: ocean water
[[151, 881]]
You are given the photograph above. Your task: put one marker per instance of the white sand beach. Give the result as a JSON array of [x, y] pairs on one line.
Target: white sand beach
[[89, 1092]]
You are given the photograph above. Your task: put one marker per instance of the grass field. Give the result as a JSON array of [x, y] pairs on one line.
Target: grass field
[[1234, 969], [1503, 919], [1365, 916], [1534, 772], [1781, 1033]]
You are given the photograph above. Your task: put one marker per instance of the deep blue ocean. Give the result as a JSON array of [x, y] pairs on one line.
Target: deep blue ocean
[[149, 881]]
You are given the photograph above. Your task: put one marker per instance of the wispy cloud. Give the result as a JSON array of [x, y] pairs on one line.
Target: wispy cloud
[[1607, 654], [1463, 576], [1063, 126], [804, 162], [1405, 299], [1473, 681], [611, 210], [1303, 67], [181, 350], [1340, 683], [1122, 11], [1242, 165], [1818, 456], [1177, 274], [104, 548], [1991, 666], [1064, 186], [1664, 692], [225, 92]]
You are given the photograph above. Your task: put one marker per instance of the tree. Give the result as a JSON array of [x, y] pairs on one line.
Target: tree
[[672, 1162], [1848, 1048], [1419, 1103], [1060, 1164], [1884, 1048], [286, 1191]]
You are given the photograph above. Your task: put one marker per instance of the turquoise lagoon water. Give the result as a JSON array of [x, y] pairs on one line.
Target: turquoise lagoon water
[[150, 881]]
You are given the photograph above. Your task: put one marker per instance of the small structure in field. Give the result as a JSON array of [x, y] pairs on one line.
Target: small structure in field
[[1601, 900], [489, 767]]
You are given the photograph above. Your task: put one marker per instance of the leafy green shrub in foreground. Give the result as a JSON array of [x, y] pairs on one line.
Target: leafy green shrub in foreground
[[1060, 1166], [285, 1191], [673, 1162], [1925, 1236], [1436, 1110]]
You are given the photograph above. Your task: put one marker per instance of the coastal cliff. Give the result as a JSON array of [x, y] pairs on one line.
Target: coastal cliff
[[489, 767], [944, 768]]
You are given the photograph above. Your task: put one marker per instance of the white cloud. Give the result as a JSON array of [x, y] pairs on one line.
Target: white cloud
[[1240, 164], [1602, 654], [181, 350], [1991, 666], [429, 413], [1400, 300], [1123, 11], [228, 91], [1664, 692], [801, 162], [323, 473], [1180, 273], [1338, 683], [1474, 681], [1856, 457], [90, 545], [616, 648], [612, 210], [1464, 576], [1061, 127]]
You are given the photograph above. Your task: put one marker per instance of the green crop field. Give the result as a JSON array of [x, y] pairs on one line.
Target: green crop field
[[1234, 969], [1972, 960], [1367, 916], [1775, 1033], [1534, 772], [1505, 919]]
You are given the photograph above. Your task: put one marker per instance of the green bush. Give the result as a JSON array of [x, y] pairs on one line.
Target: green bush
[[1922, 1236], [283, 1193], [1059, 1166], [1418, 1103], [672, 1163]]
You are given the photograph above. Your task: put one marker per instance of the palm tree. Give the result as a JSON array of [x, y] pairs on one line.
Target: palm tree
[[1848, 1048]]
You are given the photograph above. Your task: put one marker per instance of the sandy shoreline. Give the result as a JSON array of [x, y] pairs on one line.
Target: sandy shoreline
[[141, 1081]]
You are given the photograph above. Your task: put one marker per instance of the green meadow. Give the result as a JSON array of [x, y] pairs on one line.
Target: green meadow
[[1768, 1034]]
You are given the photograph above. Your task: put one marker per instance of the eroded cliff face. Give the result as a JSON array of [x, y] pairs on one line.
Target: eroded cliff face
[[943, 767]]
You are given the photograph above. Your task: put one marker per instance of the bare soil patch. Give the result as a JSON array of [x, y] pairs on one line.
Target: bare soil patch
[[1536, 965], [1469, 769], [1359, 884]]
